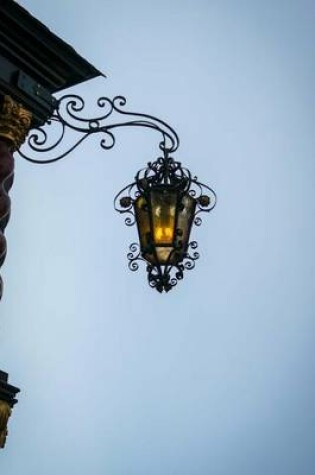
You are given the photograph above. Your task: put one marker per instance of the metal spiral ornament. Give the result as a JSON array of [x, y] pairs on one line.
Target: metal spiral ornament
[[6, 181], [69, 120]]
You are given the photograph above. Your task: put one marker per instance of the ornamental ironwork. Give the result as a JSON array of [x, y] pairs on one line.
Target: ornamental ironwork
[[168, 178], [164, 200]]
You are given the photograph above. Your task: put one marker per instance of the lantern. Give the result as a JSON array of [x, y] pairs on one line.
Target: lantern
[[164, 202]]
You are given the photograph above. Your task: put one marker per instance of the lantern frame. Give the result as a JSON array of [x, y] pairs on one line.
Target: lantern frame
[[164, 174]]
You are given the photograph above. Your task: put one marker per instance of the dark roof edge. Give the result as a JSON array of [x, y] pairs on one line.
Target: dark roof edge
[[81, 68]]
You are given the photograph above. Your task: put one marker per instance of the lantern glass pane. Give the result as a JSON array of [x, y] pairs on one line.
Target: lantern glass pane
[[164, 221], [184, 220], [143, 221], [163, 205], [163, 255]]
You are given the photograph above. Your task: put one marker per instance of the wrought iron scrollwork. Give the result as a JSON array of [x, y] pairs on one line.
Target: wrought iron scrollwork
[[167, 277], [68, 117]]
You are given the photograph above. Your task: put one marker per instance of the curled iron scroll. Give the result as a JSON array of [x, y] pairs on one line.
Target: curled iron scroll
[[69, 116]]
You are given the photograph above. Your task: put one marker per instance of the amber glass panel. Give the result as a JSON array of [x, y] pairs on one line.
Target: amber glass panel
[[170, 227], [143, 221], [184, 219], [163, 206]]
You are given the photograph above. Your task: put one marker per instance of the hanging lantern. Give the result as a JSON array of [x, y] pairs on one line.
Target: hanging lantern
[[164, 201]]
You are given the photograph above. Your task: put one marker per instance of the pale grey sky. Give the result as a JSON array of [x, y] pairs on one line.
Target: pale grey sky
[[216, 377]]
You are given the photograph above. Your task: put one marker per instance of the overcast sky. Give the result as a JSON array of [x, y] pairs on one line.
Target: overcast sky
[[216, 377]]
